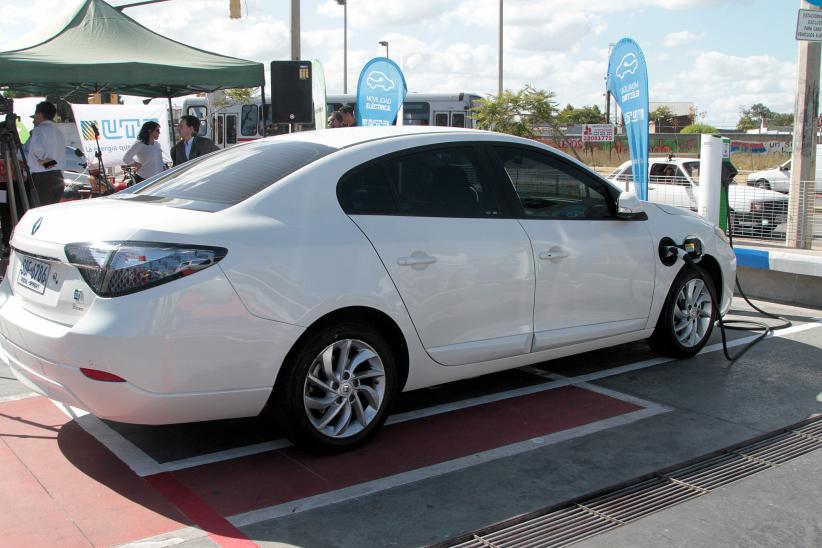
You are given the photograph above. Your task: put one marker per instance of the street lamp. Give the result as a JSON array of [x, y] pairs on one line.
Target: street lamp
[[344, 4], [385, 43]]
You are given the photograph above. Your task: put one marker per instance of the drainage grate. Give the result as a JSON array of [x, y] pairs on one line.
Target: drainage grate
[[583, 518]]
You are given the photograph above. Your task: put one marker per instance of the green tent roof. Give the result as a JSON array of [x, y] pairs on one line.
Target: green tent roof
[[101, 49]]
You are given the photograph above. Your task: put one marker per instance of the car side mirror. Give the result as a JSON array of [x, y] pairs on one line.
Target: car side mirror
[[629, 207]]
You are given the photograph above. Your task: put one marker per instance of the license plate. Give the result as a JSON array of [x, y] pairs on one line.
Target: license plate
[[33, 274]]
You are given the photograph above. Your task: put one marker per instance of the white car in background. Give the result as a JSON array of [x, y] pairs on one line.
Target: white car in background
[[778, 178], [312, 276], [674, 181]]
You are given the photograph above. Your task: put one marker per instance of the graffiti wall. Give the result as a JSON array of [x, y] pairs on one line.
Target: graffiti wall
[[683, 144]]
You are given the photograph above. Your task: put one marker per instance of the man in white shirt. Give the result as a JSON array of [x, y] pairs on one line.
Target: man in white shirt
[[46, 149]]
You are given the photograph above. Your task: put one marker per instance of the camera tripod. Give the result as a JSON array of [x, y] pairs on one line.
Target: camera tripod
[[21, 194]]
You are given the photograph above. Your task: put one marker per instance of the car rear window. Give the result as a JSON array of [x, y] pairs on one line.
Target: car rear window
[[227, 177]]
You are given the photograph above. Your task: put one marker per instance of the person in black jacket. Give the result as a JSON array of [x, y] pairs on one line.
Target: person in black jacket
[[190, 145]]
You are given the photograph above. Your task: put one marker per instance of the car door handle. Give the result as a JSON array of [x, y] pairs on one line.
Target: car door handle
[[417, 259], [651, 187], [555, 254]]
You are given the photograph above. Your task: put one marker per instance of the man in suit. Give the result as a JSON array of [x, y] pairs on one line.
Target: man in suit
[[190, 145]]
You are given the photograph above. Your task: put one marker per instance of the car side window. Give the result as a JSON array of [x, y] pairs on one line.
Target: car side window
[[441, 182], [548, 189], [668, 174], [367, 191], [434, 182]]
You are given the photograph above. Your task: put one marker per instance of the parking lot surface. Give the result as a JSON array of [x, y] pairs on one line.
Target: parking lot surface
[[451, 459]]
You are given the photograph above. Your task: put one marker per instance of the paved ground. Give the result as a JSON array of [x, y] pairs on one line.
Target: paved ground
[[453, 459]]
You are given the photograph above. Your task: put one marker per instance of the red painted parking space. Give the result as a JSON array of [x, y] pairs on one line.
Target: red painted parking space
[[60, 486], [248, 483]]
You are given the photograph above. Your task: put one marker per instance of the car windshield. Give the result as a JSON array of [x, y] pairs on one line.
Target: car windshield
[[226, 178]]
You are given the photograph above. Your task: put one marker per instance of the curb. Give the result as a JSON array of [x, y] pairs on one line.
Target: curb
[[780, 261]]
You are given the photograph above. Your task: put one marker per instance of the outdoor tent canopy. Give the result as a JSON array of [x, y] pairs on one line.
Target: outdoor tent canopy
[[101, 49]]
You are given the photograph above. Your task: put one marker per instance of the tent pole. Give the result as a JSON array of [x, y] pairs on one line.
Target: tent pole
[[262, 97], [171, 122]]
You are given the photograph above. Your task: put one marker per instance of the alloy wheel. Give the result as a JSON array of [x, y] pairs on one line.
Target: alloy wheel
[[693, 310], [344, 389]]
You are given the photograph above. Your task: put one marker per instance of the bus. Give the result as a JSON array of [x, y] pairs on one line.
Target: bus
[[425, 109], [238, 123]]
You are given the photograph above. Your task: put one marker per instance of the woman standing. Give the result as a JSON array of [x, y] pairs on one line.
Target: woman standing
[[146, 156]]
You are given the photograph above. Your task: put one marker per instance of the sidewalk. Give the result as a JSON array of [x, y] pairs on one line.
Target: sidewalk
[[772, 509], [772, 271]]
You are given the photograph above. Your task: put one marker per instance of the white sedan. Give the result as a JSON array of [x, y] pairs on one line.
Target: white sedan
[[313, 276]]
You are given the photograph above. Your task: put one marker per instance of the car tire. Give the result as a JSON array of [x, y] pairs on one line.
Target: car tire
[[688, 315], [764, 184], [330, 405]]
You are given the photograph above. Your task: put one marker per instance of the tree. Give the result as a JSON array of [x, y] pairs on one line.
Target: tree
[[570, 116], [240, 95], [751, 118], [698, 128], [517, 113], [663, 117]]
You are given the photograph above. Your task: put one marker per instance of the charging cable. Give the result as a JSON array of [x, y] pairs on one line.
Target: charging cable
[[743, 325]]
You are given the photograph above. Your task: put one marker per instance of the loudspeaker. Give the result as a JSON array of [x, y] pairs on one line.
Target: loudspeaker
[[291, 92]]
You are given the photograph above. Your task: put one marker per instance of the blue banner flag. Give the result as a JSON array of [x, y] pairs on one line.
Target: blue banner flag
[[380, 92], [628, 83]]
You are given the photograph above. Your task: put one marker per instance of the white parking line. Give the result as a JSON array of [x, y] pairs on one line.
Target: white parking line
[[143, 465], [15, 397], [376, 486]]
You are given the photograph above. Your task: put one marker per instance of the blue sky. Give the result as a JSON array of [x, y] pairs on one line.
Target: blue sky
[[719, 54]]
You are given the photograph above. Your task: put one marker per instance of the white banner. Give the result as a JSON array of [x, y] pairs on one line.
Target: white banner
[[118, 126], [592, 133]]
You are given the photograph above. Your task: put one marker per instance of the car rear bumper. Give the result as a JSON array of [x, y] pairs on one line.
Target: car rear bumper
[[188, 351], [122, 401]]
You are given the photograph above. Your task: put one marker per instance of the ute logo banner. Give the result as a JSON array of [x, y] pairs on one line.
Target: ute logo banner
[[628, 83], [119, 126], [381, 90]]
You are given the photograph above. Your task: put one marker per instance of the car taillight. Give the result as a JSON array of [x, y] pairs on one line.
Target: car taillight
[[112, 269]]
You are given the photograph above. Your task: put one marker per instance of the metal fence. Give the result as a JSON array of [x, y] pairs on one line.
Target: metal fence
[[755, 214]]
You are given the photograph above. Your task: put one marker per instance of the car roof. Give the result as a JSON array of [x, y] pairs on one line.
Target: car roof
[[346, 137], [341, 138]]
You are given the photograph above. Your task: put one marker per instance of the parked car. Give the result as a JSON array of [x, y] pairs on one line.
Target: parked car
[[675, 181], [340, 267], [779, 178]]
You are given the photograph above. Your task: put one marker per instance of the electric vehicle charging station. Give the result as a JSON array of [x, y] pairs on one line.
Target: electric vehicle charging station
[[710, 178], [723, 194]]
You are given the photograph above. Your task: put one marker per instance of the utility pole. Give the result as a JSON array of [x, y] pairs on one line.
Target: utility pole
[[500, 50], [295, 30], [803, 158], [607, 90]]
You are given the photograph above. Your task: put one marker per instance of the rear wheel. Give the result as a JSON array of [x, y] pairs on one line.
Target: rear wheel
[[336, 392], [688, 315], [763, 183]]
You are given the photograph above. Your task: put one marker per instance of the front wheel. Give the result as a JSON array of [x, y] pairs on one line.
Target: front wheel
[[336, 392], [688, 315], [763, 184]]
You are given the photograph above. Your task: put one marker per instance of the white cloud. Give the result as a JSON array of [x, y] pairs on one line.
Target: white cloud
[[485, 13], [562, 32], [720, 84], [675, 39], [383, 13]]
